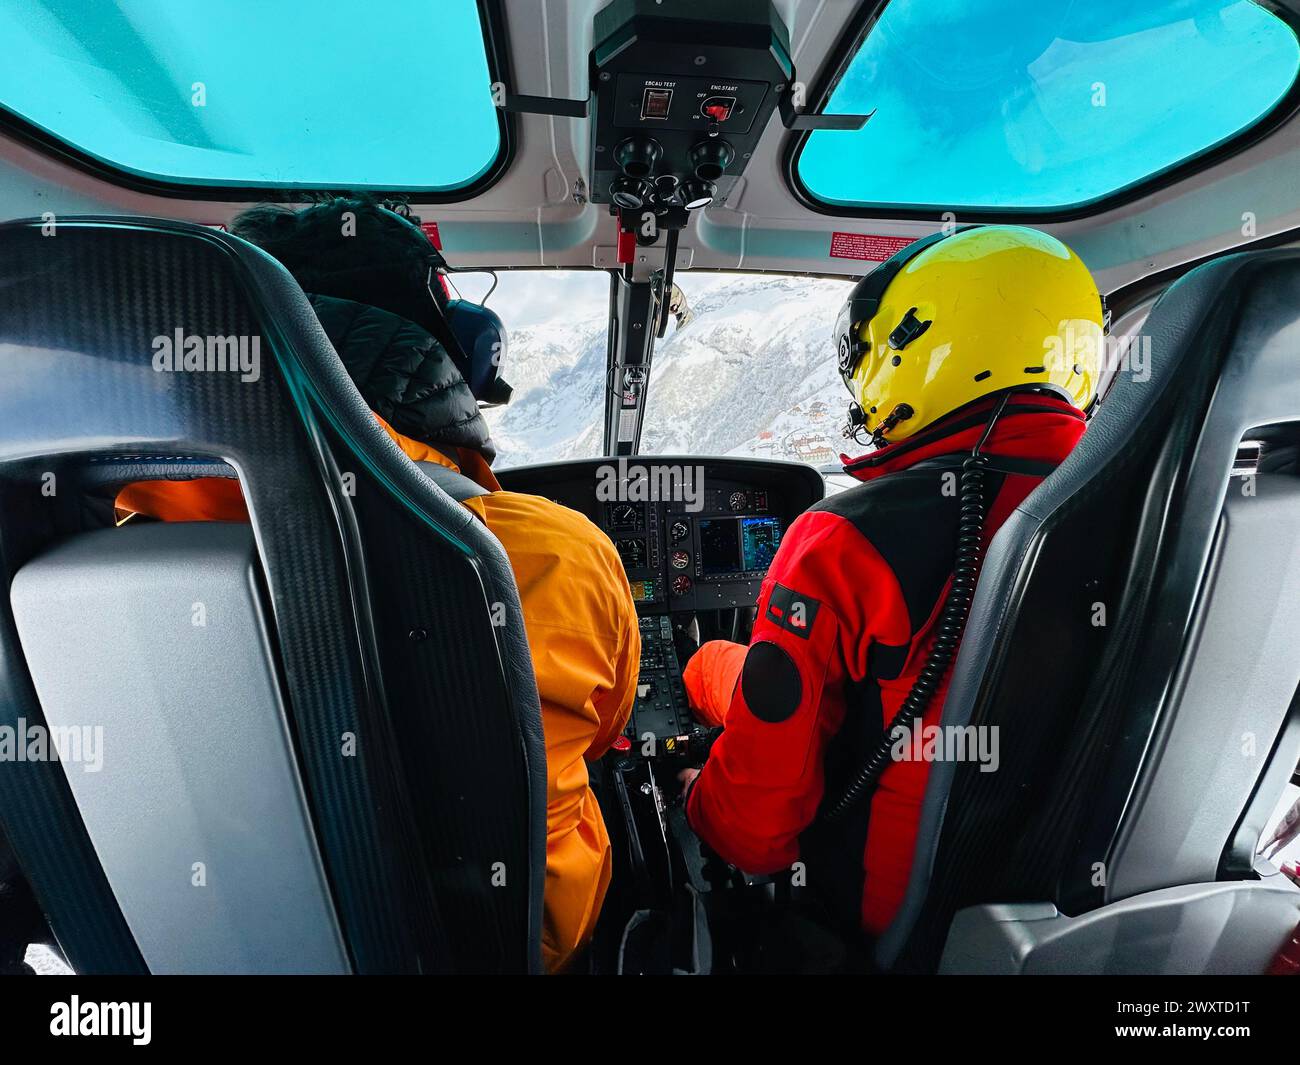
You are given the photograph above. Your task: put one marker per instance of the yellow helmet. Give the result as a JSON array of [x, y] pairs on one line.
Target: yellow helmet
[[956, 316]]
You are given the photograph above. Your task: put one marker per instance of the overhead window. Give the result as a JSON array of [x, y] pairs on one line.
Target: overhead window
[[1042, 104], [395, 96]]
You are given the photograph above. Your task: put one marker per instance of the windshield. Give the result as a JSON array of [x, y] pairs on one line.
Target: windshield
[[557, 324], [249, 93], [749, 370], [1032, 104]]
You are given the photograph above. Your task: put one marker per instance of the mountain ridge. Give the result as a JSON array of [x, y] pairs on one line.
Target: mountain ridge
[[752, 373]]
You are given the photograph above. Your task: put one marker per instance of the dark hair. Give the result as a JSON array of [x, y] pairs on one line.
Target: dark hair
[[355, 248]]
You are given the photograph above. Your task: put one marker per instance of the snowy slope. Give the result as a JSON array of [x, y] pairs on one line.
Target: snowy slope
[[752, 374], [557, 370]]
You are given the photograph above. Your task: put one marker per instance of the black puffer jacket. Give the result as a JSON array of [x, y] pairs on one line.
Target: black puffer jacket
[[404, 374]]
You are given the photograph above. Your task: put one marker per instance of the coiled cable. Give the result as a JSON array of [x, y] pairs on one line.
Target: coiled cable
[[948, 629]]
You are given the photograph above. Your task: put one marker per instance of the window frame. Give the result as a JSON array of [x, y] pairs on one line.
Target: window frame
[[495, 47], [864, 20]]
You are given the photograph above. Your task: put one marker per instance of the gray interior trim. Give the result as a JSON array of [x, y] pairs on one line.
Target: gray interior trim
[[1239, 674], [1197, 929], [175, 672]]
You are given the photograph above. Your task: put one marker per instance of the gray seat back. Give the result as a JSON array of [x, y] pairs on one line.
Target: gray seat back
[[414, 720], [1132, 625], [152, 652]]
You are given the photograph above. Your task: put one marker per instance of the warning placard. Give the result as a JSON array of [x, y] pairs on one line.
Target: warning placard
[[869, 246]]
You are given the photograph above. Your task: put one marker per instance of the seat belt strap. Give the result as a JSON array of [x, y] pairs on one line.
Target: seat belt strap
[[456, 485]]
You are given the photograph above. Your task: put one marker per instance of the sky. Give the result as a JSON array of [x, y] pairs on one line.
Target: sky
[[1079, 99], [525, 298], [398, 98]]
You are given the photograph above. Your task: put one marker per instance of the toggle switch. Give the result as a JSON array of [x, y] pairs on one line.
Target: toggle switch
[[718, 108]]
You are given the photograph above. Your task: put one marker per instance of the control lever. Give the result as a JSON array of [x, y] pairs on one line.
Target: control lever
[[692, 746]]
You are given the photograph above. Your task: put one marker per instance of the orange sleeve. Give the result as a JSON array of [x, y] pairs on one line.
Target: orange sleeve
[[203, 499], [221, 499], [765, 776], [711, 676], [614, 706]]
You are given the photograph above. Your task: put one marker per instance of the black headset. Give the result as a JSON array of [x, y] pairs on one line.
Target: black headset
[[477, 333]]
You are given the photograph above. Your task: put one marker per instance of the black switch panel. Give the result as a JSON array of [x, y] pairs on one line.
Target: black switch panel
[[682, 102], [683, 91]]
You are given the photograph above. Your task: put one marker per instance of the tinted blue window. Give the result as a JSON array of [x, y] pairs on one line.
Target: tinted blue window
[[1043, 103], [248, 92]]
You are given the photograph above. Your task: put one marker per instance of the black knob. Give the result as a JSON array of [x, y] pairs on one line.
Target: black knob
[[697, 194], [637, 156], [710, 158], [629, 192]]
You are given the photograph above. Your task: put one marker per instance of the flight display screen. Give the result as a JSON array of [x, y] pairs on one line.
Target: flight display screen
[[738, 545], [720, 545], [759, 539], [646, 591]]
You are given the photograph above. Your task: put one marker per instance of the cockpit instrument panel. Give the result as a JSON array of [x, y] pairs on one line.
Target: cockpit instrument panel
[[692, 533]]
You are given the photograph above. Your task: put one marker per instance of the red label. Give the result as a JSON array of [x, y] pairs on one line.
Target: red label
[[431, 231], [869, 246], [626, 246]]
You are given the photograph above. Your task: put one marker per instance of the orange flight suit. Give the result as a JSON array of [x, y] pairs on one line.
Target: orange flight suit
[[586, 646]]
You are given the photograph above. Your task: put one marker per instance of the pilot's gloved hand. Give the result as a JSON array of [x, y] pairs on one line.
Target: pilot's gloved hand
[[711, 676]]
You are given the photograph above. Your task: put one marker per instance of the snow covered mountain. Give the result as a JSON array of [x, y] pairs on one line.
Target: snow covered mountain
[[752, 373]]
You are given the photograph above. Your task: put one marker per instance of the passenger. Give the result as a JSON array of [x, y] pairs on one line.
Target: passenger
[[987, 338], [578, 610]]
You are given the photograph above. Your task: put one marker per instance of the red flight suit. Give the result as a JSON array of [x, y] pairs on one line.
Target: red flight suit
[[845, 618]]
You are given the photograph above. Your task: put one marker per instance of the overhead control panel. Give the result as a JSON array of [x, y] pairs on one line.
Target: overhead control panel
[[683, 91]]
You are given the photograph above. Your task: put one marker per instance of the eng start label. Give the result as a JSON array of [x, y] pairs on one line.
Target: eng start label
[[871, 247]]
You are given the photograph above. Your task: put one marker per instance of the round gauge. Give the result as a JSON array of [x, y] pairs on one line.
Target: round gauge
[[679, 531], [681, 559], [623, 516], [681, 584], [631, 552], [738, 501]]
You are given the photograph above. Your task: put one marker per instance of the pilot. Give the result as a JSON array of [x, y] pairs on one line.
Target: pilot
[[972, 358], [578, 610]]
